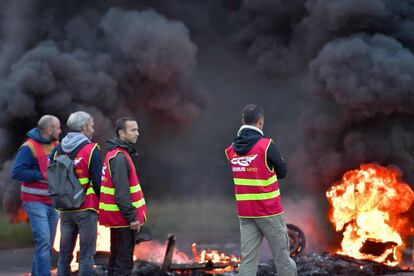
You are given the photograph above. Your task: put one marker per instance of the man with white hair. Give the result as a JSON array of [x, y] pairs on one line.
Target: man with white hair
[[88, 169], [30, 167]]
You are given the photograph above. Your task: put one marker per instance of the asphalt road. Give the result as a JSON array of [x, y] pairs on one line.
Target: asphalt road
[[15, 262]]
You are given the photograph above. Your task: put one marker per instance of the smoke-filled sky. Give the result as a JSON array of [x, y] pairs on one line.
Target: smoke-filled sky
[[335, 79]]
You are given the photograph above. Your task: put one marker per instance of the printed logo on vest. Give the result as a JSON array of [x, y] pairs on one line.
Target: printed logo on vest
[[76, 161], [103, 176], [243, 160]]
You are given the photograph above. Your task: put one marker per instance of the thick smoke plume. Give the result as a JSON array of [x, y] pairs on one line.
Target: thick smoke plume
[[138, 60], [362, 105], [110, 62], [358, 99], [358, 58]]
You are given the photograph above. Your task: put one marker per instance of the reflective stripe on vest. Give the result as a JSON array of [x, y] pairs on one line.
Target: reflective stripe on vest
[[81, 166], [39, 187], [89, 191], [34, 191], [114, 207], [83, 180], [261, 196], [255, 182], [109, 212], [111, 191]]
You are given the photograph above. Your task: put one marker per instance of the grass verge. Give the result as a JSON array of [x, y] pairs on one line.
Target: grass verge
[[14, 235]]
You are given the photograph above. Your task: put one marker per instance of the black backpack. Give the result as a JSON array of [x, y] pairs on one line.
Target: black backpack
[[64, 187]]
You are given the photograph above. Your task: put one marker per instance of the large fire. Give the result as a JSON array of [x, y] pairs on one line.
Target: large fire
[[154, 251], [367, 205]]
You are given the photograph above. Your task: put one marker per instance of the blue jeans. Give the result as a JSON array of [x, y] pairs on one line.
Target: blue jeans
[[43, 220], [73, 223]]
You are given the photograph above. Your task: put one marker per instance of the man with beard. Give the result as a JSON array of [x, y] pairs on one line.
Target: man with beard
[[257, 164], [122, 204], [30, 167], [87, 164]]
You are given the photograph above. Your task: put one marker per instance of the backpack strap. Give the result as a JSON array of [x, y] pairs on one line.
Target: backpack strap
[[72, 155]]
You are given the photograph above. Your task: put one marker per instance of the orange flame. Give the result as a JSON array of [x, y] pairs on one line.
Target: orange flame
[[215, 257], [368, 203], [102, 243], [18, 216], [154, 251], [21, 215]]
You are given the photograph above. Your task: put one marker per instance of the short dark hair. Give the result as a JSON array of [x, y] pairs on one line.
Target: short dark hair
[[121, 124], [251, 114]]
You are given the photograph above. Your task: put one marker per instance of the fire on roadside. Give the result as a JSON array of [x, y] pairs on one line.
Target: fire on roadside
[[102, 243], [216, 257], [154, 251], [367, 205]]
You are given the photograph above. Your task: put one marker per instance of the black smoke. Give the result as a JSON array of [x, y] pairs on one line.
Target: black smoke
[[56, 58], [357, 102], [357, 56]]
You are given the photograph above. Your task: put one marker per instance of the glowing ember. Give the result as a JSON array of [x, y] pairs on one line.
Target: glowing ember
[[154, 251], [368, 203], [215, 257], [21, 215]]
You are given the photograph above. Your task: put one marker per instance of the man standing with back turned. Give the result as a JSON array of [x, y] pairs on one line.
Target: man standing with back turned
[[30, 168], [257, 164], [122, 204]]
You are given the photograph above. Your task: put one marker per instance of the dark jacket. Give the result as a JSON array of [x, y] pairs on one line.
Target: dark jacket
[[248, 137], [73, 142], [26, 168], [120, 177]]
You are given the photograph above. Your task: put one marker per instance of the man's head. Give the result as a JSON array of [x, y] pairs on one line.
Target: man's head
[[82, 122], [253, 115], [49, 127], [126, 129]]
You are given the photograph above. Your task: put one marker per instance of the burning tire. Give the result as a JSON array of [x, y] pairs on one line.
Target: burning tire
[[296, 240]]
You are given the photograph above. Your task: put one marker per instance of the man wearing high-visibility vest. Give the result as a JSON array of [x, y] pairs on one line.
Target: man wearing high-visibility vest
[[30, 168], [122, 204], [87, 164], [256, 165]]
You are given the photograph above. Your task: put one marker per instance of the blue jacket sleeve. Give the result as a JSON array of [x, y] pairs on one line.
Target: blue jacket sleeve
[[25, 166], [95, 170], [276, 161]]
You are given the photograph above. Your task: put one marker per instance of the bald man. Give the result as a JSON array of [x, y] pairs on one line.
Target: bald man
[[30, 168]]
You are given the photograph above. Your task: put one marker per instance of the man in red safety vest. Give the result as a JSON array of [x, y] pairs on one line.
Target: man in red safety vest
[[122, 204], [256, 165], [87, 164], [30, 167]]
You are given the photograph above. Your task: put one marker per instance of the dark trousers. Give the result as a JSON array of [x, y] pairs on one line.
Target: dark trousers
[[83, 223], [122, 251]]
